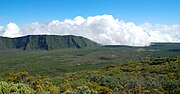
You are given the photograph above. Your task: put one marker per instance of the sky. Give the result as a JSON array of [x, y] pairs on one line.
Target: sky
[[139, 20], [137, 11]]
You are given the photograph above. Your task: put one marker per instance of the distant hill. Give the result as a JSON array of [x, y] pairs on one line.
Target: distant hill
[[45, 42]]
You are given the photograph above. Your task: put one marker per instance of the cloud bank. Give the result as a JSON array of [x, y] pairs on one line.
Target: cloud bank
[[104, 29], [11, 30]]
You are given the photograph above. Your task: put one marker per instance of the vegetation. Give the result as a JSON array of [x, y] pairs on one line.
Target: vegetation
[[54, 62], [45, 42], [158, 76], [97, 70]]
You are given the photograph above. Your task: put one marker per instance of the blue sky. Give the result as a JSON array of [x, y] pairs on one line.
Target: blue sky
[[138, 11]]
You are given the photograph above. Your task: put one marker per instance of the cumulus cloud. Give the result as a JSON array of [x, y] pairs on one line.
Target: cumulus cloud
[[1, 30], [12, 30], [104, 29], [35, 29], [162, 33]]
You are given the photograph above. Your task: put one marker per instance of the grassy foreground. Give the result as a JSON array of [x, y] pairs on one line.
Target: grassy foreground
[[157, 76]]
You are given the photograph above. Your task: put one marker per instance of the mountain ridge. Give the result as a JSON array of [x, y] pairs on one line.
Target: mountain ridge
[[45, 42]]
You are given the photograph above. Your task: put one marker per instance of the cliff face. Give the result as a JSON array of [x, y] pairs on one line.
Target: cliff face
[[45, 42]]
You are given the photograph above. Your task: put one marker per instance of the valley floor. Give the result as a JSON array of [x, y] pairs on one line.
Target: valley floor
[[102, 70]]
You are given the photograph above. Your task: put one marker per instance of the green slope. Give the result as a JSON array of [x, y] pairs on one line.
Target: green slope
[[53, 62], [45, 42]]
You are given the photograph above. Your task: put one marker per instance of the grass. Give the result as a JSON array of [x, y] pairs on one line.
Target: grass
[[55, 62], [156, 76]]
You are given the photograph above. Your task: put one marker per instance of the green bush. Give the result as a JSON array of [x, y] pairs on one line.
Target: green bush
[[11, 88]]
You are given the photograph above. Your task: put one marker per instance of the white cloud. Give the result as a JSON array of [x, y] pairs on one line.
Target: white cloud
[[12, 30], [104, 29], [35, 28], [1, 30], [162, 33]]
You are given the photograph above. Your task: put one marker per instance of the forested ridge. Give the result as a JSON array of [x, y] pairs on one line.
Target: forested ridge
[[45, 42], [148, 76]]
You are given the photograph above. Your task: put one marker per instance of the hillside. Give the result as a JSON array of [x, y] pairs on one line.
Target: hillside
[[45, 42], [54, 62]]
